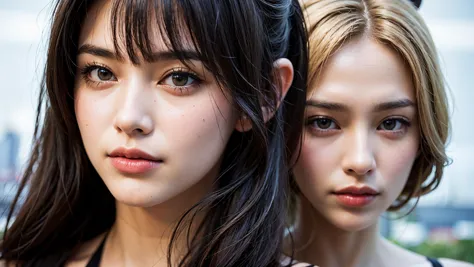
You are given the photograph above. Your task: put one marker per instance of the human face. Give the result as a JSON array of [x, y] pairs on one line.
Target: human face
[[169, 122], [361, 135]]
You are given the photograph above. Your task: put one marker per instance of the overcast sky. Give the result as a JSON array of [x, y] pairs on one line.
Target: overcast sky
[[23, 31]]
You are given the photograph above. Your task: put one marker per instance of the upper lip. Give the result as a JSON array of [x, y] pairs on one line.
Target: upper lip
[[132, 153], [357, 190]]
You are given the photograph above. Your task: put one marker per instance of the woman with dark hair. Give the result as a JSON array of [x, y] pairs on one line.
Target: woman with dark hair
[[160, 137]]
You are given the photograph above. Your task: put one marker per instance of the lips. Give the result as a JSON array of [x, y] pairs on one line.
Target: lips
[[353, 196], [353, 190], [133, 161], [132, 153]]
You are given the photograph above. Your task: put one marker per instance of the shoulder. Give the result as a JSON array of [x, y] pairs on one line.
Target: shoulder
[[454, 263], [417, 260], [302, 264], [285, 262], [3, 263]]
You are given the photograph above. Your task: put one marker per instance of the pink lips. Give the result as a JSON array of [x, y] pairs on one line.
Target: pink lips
[[353, 196], [133, 161]]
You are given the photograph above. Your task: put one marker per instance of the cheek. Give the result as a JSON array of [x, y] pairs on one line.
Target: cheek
[[395, 165], [92, 118], [204, 124], [316, 163]]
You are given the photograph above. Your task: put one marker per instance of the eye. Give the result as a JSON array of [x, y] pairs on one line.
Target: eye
[[395, 124], [180, 79], [101, 74], [97, 75], [322, 124]]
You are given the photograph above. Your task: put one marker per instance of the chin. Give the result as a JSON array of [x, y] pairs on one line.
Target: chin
[[140, 193], [353, 221]]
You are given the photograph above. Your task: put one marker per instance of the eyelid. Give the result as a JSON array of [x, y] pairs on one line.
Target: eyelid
[[405, 124], [181, 70], [400, 119], [312, 119], [185, 89], [89, 67]]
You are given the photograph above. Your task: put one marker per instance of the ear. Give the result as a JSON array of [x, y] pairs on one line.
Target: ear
[[284, 73]]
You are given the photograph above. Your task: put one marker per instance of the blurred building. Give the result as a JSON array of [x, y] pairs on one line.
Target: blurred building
[[9, 149], [436, 224]]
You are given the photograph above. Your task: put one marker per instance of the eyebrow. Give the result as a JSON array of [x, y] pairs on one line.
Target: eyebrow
[[327, 105], [401, 103], [396, 104], [157, 56]]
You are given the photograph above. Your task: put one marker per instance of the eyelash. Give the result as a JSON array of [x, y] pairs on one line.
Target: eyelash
[[184, 72], [88, 68], [86, 72], [312, 120]]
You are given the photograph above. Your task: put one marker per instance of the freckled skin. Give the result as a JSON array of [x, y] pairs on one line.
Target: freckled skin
[[141, 109]]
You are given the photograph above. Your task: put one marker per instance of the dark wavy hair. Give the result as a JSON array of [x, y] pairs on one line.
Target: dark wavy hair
[[67, 202]]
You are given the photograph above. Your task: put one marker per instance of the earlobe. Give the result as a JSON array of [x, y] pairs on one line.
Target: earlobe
[[243, 124], [284, 75]]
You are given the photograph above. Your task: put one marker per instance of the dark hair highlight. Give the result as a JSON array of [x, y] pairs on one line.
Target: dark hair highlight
[[67, 202]]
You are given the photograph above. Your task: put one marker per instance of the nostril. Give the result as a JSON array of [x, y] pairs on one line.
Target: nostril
[[360, 172]]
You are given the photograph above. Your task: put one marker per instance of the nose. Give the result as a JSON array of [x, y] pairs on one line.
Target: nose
[[359, 158], [134, 115]]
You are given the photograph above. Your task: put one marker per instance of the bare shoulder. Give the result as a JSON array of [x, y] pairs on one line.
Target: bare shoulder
[[302, 264], [285, 261], [3, 263], [413, 259], [454, 263]]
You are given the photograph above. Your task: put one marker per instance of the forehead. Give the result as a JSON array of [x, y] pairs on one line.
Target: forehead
[[97, 29], [363, 70]]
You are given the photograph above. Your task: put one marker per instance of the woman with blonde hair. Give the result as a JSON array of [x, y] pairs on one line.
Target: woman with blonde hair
[[376, 126]]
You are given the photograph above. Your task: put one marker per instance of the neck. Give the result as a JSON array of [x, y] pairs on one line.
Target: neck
[[141, 236], [320, 242]]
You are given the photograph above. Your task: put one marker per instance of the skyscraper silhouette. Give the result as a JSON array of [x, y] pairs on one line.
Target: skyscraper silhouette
[[9, 149]]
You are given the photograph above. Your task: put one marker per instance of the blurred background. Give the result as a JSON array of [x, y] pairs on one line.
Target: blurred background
[[442, 225]]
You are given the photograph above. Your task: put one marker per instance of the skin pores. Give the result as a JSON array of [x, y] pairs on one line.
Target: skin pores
[[176, 114], [361, 135]]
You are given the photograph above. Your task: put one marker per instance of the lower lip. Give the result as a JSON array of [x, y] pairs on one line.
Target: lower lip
[[353, 200], [133, 166]]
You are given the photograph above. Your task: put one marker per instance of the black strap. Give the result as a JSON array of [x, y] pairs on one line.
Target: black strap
[[434, 262], [96, 257]]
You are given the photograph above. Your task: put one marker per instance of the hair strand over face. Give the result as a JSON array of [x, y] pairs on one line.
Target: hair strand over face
[[67, 203]]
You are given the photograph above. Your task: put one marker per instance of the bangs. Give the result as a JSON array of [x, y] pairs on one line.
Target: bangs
[[222, 35], [136, 25], [188, 29]]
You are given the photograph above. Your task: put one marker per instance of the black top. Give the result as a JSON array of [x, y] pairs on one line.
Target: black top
[[96, 257], [434, 262]]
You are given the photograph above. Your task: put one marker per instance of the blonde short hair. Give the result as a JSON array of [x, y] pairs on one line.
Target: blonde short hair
[[398, 25]]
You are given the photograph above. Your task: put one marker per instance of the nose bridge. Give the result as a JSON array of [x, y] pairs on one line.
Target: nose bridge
[[360, 158], [133, 114]]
